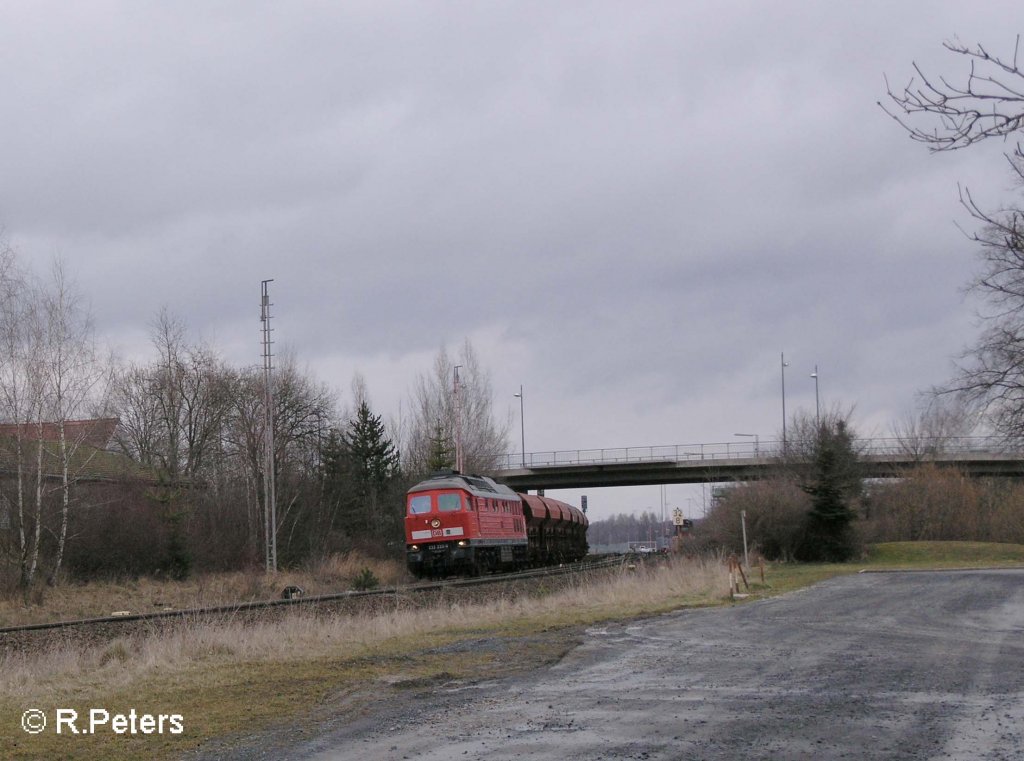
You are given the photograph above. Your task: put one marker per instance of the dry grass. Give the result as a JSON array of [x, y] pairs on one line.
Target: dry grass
[[66, 601], [306, 636], [210, 672]]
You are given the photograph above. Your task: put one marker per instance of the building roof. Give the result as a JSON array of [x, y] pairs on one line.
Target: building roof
[[97, 433], [88, 440]]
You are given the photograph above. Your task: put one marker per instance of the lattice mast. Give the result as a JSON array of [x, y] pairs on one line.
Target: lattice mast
[[269, 484]]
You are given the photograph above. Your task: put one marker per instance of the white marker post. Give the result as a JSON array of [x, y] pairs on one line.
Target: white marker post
[[743, 522]]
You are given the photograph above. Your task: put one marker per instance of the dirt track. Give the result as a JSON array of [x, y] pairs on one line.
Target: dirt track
[[875, 666]]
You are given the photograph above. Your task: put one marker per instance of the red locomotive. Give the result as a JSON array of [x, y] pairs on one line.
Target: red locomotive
[[455, 523]]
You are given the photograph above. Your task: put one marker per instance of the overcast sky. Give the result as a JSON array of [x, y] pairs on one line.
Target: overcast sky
[[631, 209]]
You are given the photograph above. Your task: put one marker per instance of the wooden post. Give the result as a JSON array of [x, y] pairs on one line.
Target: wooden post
[[736, 567], [742, 576]]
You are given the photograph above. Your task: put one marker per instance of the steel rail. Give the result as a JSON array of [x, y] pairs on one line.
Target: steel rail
[[314, 600]]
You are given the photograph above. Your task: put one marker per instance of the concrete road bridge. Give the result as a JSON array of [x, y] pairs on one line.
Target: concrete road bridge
[[741, 461]]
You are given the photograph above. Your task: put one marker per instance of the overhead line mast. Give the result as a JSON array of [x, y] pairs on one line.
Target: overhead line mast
[[269, 485]]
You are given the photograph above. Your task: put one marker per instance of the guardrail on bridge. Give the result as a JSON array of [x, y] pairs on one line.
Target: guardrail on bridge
[[921, 448]]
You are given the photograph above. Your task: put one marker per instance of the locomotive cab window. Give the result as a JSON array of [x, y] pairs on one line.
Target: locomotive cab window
[[419, 504], [449, 503]]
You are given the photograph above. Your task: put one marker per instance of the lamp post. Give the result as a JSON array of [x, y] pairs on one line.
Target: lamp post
[[458, 421], [522, 422], [817, 398], [662, 524], [785, 364]]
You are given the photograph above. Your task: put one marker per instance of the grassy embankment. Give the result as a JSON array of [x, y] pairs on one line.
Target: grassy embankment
[[229, 679], [900, 556], [71, 600]]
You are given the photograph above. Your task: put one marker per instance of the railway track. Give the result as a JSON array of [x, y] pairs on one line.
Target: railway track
[[93, 630]]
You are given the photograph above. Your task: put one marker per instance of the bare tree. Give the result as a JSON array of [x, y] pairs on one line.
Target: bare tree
[[303, 410], [21, 402], [988, 102], [73, 371], [137, 408], [180, 383], [991, 372], [49, 373], [172, 410], [439, 418], [933, 428]]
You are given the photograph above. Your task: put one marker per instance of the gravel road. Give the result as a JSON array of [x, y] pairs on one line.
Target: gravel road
[[874, 666]]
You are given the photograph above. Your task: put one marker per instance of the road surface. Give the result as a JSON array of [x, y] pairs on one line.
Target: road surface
[[873, 666]]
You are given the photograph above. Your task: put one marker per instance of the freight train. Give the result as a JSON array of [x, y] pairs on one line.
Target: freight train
[[462, 524]]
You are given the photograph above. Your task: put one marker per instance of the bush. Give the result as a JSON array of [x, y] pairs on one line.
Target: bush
[[366, 579], [179, 559], [942, 504], [126, 534], [776, 517]]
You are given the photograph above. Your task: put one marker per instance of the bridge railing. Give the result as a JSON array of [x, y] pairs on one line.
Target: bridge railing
[[918, 448]]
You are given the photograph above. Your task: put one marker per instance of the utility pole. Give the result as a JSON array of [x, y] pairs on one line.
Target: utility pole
[[458, 422], [663, 514], [522, 422], [785, 364], [269, 486], [817, 399]]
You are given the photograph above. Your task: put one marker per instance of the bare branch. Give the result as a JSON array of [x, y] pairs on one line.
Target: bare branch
[[989, 103]]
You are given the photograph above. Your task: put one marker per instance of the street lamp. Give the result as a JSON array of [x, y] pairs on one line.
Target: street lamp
[[817, 398], [785, 364], [522, 422]]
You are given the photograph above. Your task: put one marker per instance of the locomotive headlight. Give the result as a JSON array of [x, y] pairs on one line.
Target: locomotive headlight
[[463, 543], [414, 547], [436, 523]]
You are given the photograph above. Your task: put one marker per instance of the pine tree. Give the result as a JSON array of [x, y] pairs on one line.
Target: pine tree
[[835, 484], [373, 455], [336, 480], [373, 468], [442, 453]]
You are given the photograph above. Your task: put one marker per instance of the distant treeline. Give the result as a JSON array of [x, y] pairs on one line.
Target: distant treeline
[[628, 527]]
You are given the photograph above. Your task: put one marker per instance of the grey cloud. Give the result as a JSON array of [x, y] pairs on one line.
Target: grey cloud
[[657, 196]]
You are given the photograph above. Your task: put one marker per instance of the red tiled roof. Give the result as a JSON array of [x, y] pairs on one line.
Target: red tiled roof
[[88, 440], [96, 433]]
